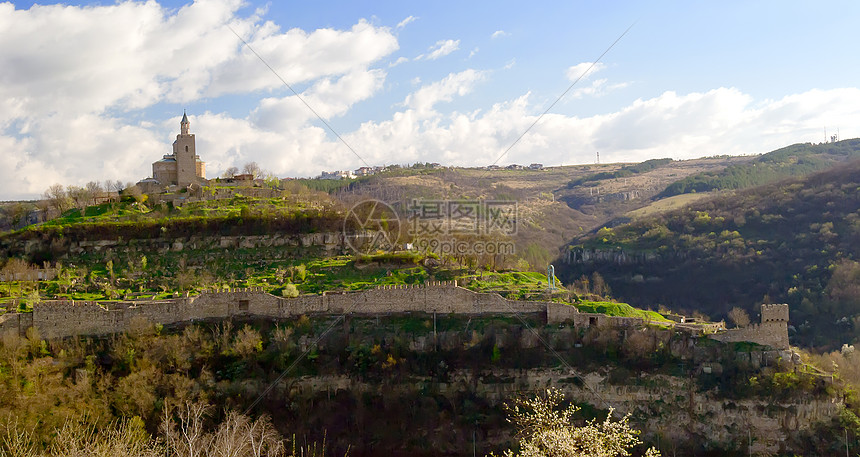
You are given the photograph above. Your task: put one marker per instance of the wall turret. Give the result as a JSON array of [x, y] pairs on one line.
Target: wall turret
[[774, 313]]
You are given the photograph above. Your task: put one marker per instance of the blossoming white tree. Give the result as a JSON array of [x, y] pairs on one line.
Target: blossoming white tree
[[547, 430]]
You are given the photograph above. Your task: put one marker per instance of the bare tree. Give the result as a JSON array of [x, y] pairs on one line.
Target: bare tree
[[112, 186], [739, 316], [58, 198], [94, 191], [231, 172], [79, 195], [251, 168], [185, 437]]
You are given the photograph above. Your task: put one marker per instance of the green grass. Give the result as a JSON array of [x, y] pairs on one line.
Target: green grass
[[618, 309], [668, 204]]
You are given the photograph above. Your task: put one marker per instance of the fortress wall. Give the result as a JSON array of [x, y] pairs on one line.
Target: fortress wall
[[328, 240], [9, 323], [557, 313], [55, 319], [773, 330], [773, 334], [303, 304], [161, 312]]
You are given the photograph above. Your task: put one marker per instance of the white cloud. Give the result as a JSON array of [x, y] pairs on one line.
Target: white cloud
[[75, 81], [598, 87], [299, 56], [397, 62], [329, 99], [423, 100], [75, 78], [579, 70], [132, 55], [440, 49], [499, 34], [473, 52], [721, 121], [408, 20]]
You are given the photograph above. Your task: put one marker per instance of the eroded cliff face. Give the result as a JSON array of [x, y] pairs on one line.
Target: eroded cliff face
[[395, 386], [670, 411], [585, 256]]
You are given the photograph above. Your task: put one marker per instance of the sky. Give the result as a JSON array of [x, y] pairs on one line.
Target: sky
[[91, 91]]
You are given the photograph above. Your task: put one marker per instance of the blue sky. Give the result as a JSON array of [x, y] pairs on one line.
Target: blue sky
[[94, 91]]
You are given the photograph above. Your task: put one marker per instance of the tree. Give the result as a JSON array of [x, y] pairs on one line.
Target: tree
[[230, 172], [79, 195], [94, 191], [251, 168], [739, 316], [16, 213], [599, 286], [546, 430], [57, 198], [290, 291], [135, 192]]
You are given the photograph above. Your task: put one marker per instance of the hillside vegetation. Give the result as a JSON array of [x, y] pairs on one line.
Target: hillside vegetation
[[795, 160], [796, 241]]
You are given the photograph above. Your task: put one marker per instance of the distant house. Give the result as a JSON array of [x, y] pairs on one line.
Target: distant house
[[536, 166], [493, 167], [364, 171], [435, 165], [514, 166], [338, 174]]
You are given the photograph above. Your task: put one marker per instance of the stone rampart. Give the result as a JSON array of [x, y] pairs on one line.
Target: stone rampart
[[773, 330], [62, 318], [9, 323], [327, 240]]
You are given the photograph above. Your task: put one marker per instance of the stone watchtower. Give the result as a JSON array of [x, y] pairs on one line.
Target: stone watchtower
[[774, 324], [184, 166]]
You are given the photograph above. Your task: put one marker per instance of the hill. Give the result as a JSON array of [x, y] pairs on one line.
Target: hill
[[795, 160], [796, 241]]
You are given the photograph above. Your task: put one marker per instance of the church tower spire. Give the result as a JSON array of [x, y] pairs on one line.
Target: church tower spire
[[183, 126]]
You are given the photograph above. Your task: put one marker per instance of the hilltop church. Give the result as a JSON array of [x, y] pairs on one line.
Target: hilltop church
[[182, 168]]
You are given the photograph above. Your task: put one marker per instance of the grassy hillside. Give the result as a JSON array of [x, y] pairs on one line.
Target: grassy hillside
[[794, 160], [796, 241]]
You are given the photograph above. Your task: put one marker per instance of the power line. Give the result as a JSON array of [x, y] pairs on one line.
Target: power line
[[298, 96], [596, 61]]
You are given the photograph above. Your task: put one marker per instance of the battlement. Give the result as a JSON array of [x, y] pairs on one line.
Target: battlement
[[774, 313], [62, 318], [773, 330]]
